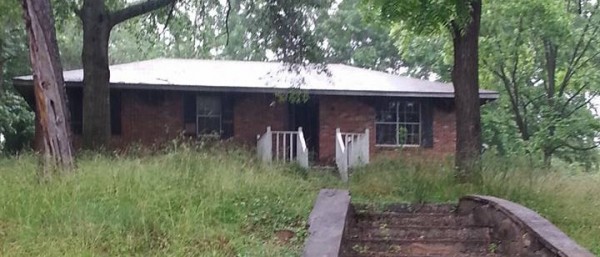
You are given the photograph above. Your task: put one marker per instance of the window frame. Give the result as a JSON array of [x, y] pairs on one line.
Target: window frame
[[398, 123], [219, 116]]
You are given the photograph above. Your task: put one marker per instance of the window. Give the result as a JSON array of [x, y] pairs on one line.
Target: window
[[398, 123], [208, 115]]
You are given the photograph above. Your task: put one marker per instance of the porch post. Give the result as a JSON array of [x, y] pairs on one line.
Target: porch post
[[301, 149], [264, 146], [268, 150], [366, 147]]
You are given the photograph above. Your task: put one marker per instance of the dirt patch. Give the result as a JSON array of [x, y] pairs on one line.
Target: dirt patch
[[284, 236]]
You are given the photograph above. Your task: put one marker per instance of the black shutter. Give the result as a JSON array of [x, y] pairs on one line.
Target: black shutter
[[75, 103], [189, 108], [115, 112], [226, 116], [427, 123]]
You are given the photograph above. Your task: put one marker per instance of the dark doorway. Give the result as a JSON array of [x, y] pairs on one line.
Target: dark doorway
[[306, 115]]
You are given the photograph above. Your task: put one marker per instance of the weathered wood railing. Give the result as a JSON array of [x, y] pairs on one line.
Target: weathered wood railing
[[301, 149], [351, 150], [264, 146], [341, 156], [289, 146]]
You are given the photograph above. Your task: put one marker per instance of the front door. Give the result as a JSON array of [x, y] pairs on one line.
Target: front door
[[306, 115]]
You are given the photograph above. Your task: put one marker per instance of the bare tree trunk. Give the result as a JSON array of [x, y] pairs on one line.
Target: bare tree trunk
[[465, 77], [96, 75], [49, 89]]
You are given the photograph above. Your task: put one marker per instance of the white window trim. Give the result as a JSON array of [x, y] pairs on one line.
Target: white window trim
[[420, 123]]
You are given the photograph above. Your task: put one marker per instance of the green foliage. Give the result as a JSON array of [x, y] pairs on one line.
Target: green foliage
[[16, 123], [243, 30], [255, 32], [535, 114], [16, 118], [542, 57], [347, 37], [198, 30], [422, 16], [13, 45], [425, 56]]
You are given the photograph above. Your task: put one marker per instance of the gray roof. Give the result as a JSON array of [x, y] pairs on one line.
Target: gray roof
[[246, 76]]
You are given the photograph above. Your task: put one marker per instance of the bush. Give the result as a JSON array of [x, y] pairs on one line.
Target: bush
[[16, 123]]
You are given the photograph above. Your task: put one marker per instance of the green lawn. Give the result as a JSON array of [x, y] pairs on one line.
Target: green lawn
[[221, 202]]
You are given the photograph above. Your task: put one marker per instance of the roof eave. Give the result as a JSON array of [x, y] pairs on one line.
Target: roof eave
[[482, 95]]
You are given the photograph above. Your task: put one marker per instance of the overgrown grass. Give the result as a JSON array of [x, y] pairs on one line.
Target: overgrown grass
[[184, 203], [221, 202]]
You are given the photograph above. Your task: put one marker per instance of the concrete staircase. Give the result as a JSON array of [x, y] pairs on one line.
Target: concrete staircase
[[415, 231]]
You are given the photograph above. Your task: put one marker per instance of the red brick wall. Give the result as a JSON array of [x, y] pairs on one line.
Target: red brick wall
[[152, 118], [154, 122], [253, 113], [444, 131], [146, 122], [354, 114], [350, 114]]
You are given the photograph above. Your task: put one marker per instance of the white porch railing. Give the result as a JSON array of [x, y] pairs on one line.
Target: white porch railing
[[289, 146], [351, 150]]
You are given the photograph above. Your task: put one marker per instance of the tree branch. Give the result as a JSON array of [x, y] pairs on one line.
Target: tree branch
[[550, 54], [577, 148], [227, 21], [131, 11], [516, 52], [169, 17], [584, 104], [577, 92], [511, 88], [577, 55]]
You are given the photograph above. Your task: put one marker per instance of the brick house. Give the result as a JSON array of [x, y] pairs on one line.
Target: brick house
[[157, 100]]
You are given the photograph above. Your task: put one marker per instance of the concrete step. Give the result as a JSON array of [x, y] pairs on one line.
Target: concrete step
[[394, 219], [419, 233], [400, 247], [407, 208]]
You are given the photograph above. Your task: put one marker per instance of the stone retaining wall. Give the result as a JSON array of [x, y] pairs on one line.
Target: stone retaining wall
[[519, 231]]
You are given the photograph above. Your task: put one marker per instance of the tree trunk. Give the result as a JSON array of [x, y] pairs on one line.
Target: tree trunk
[[551, 53], [49, 88], [97, 24], [1, 75], [547, 158], [96, 74], [465, 77]]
